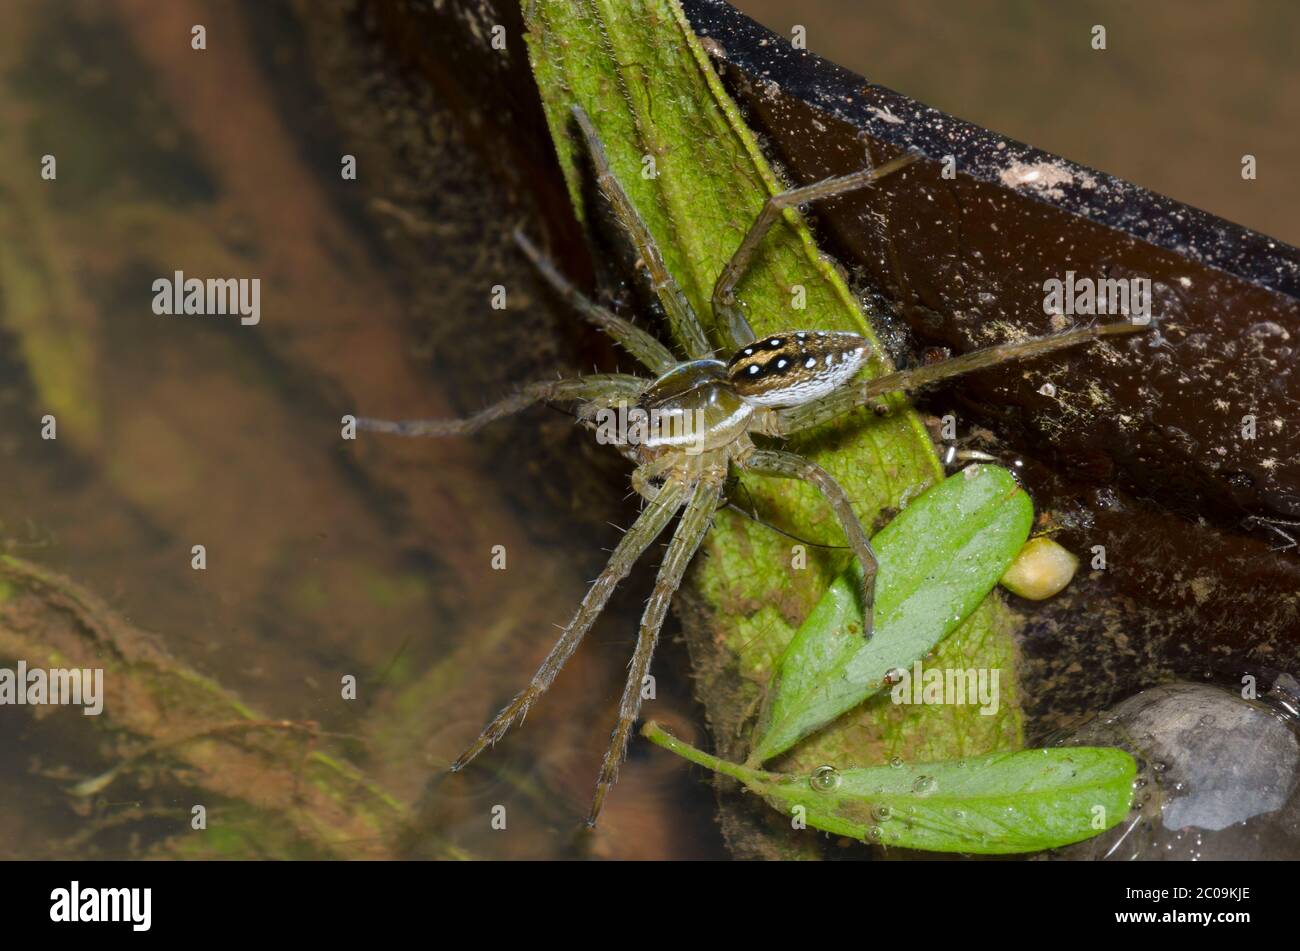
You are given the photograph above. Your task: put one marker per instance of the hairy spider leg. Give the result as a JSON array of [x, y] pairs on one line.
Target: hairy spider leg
[[643, 476], [686, 540], [681, 318], [1275, 525], [725, 309], [797, 418], [653, 519], [648, 351], [786, 465], [601, 389]]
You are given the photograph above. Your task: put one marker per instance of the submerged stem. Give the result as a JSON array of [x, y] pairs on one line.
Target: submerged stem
[[656, 734]]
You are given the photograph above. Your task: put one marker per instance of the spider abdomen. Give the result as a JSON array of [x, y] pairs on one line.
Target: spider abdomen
[[788, 369]]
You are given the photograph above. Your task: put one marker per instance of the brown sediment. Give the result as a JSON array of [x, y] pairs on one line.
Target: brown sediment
[[267, 786]]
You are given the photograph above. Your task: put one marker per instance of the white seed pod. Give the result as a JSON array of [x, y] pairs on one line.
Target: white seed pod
[[1040, 569]]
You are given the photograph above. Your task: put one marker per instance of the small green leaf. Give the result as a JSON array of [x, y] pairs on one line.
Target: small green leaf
[[938, 559], [995, 804]]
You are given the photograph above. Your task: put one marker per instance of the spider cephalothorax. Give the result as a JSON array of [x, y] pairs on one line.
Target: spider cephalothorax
[[700, 414], [705, 405]]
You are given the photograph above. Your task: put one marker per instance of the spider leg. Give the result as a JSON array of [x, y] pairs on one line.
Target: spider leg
[[650, 352], [652, 520], [793, 419], [787, 465], [685, 325], [905, 380], [643, 476], [603, 389], [1275, 525], [725, 308], [797, 418], [690, 532]]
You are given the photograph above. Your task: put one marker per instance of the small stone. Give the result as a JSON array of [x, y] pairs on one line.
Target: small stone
[[1041, 569]]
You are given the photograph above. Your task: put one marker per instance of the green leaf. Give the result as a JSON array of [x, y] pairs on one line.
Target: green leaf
[[641, 75], [938, 560], [995, 804]]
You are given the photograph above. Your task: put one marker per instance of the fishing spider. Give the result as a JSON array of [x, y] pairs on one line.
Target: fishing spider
[[707, 411]]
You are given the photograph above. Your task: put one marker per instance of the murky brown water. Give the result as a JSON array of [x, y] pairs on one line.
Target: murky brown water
[[325, 559], [1180, 93]]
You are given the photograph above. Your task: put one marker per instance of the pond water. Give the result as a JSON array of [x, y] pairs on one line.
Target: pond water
[[323, 559], [1029, 71]]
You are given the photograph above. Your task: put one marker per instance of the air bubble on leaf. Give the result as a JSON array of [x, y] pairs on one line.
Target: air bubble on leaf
[[881, 813], [924, 785], [824, 778], [896, 762], [875, 833]]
